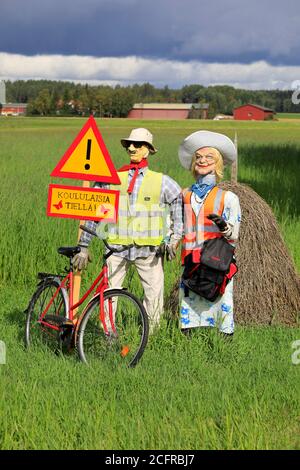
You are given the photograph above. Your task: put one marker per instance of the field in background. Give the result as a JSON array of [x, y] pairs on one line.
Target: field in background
[[288, 115], [185, 394], [30, 149]]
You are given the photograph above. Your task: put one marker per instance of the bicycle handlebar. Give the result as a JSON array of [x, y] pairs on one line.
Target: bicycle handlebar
[[114, 250]]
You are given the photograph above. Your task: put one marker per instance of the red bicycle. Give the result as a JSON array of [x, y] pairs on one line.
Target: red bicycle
[[114, 322]]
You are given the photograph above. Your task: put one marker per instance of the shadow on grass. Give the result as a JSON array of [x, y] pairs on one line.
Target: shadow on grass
[[17, 317]]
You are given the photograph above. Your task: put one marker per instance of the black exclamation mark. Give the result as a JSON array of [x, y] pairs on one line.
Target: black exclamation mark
[[88, 153]]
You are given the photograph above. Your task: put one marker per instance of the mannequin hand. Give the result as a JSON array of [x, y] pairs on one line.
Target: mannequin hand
[[171, 248], [219, 221], [161, 250], [81, 260]]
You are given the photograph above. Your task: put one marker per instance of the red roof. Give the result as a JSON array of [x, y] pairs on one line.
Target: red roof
[[263, 108]]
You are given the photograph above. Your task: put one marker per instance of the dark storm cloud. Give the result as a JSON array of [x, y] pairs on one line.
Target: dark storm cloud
[[216, 31]]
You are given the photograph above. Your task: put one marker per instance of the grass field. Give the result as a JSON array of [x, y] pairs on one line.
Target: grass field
[[198, 393], [288, 115]]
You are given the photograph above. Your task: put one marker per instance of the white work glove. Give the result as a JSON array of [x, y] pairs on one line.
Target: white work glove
[[171, 249], [81, 260]]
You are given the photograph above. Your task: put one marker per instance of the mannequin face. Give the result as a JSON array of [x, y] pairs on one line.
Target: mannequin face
[[137, 151], [204, 162]]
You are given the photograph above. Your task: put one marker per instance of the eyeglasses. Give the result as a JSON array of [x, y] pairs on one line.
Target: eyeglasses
[[137, 145], [208, 158]]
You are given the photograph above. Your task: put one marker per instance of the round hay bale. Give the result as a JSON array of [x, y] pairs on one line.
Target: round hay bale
[[267, 285]]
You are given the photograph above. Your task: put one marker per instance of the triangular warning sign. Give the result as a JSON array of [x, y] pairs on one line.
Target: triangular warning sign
[[87, 158]]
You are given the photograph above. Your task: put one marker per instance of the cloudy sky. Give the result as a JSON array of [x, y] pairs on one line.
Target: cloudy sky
[[249, 44]]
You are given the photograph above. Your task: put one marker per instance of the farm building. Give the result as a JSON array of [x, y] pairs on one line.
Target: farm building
[[169, 111], [10, 109], [249, 112], [2, 92], [13, 109]]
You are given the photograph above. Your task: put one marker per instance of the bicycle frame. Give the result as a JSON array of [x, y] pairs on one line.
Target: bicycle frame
[[100, 284]]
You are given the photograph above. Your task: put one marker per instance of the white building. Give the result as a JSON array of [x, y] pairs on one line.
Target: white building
[[2, 92]]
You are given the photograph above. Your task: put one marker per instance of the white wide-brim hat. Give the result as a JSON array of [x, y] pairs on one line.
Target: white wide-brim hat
[[140, 135], [201, 139]]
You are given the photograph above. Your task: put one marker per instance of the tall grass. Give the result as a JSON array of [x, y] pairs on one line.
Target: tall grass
[[187, 393], [30, 152]]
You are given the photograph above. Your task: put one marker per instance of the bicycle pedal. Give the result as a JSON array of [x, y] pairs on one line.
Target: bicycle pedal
[[66, 329], [57, 320], [65, 336]]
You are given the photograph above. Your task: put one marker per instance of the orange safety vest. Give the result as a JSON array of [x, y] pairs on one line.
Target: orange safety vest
[[199, 228]]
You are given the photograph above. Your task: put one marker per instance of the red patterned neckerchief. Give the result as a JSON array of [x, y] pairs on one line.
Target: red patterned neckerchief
[[136, 166]]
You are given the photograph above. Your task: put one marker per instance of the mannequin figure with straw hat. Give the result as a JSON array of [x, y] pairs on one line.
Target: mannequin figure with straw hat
[[149, 224], [209, 212]]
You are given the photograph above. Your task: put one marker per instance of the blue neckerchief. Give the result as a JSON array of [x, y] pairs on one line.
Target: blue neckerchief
[[201, 189], [204, 185]]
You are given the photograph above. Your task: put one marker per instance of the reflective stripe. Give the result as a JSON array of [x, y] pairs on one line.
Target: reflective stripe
[[203, 228], [217, 201], [148, 214], [124, 213], [190, 231], [143, 234], [193, 245]]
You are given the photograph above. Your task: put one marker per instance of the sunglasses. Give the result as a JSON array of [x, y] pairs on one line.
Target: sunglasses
[[137, 145]]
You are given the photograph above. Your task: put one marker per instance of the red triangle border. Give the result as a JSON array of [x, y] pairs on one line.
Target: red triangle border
[[113, 179]]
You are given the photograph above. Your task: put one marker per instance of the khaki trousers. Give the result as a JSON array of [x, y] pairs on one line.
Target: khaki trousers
[[151, 274]]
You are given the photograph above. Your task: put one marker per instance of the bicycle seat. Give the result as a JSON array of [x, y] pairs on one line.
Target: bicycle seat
[[69, 251]]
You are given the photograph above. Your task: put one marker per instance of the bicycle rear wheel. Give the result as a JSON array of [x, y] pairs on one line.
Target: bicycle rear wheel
[[37, 333], [124, 345]]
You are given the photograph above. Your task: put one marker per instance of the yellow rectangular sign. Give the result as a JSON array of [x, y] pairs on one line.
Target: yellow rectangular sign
[[75, 202]]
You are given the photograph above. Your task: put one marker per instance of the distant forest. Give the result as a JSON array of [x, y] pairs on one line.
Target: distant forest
[[45, 97]]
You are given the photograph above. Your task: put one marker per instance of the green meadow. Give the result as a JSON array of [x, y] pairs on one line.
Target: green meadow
[[288, 115], [196, 393]]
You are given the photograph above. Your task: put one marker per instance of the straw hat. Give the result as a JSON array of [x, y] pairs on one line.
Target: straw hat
[[140, 135], [201, 139]]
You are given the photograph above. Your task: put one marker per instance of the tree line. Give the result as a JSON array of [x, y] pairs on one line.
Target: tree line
[[47, 97]]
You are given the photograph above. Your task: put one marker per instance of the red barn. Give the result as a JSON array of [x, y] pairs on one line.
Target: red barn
[[249, 112], [168, 111], [13, 109]]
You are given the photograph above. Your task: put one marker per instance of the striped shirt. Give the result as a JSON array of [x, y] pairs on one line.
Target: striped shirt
[[170, 195]]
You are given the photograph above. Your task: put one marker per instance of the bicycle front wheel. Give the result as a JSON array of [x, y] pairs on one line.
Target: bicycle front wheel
[[125, 334], [47, 296]]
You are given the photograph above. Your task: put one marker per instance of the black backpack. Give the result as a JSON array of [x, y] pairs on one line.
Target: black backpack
[[217, 266]]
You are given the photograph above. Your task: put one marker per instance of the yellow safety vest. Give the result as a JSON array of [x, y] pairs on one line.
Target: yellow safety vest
[[144, 223]]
